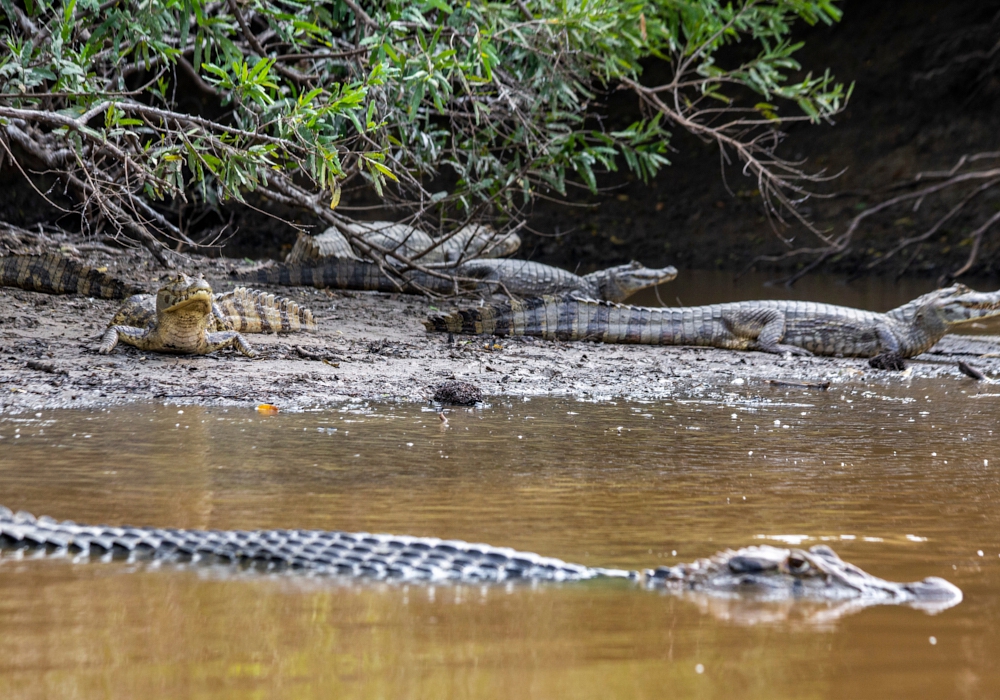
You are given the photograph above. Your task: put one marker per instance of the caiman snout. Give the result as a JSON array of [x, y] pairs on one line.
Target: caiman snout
[[934, 589]]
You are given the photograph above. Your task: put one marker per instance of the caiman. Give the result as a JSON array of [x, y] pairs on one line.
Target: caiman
[[186, 318], [516, 277], [473, 241], [797, 327], [760, 571]]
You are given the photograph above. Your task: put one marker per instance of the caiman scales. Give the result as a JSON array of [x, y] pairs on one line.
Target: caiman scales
[[183, 317], [761, 571], [797, 327]]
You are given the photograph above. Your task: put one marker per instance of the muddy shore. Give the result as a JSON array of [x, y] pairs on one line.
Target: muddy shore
[[373, 346]]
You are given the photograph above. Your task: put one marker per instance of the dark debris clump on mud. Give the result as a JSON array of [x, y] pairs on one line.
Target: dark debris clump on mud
[[458, 393]]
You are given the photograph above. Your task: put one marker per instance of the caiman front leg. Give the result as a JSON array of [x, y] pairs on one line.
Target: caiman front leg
[[224, 339], [891, 357], [129, 335], [764, 328]]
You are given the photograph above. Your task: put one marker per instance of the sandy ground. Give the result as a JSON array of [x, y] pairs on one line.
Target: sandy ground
[[373, 346]]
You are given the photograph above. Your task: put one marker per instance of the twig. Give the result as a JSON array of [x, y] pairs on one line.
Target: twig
[[361, 14]]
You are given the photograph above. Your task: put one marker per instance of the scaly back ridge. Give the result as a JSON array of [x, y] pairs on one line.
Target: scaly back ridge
[[254, 311]]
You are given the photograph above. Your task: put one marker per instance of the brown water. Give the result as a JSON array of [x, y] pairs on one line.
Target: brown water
[[896, 480]]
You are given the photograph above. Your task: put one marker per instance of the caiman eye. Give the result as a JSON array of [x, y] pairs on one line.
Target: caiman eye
[[797, 565], [742, 564]]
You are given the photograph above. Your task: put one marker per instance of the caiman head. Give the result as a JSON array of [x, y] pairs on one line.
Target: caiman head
[[948, 306], [183, 294], [622, 281], [773, 573]]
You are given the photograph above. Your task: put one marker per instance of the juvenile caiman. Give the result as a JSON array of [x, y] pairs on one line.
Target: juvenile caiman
[[185, 317], [517, 277], [760, 571], [797, 327]]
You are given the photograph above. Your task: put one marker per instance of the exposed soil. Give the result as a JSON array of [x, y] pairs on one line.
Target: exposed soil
[[374, 346]]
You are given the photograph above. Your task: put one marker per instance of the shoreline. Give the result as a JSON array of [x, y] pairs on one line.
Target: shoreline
[[373, 346]]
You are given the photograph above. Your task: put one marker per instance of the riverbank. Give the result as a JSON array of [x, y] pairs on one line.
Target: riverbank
[[373, 346]]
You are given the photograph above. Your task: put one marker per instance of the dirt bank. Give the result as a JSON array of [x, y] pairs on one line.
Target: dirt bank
[[370, 346]]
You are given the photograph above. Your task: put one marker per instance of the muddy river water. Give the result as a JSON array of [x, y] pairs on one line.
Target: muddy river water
[[903, 481]]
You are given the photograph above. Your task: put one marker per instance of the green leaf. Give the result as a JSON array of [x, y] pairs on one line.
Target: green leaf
[[382, 169]]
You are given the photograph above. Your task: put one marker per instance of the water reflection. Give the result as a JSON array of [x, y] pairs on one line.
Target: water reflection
[[903, 484]]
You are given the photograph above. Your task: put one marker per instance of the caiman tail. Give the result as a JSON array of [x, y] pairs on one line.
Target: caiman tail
[[57, 274], [338, 274], [253, 311]]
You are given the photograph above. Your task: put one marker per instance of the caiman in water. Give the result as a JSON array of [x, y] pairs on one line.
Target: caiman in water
[[797, 327], [487, 276], [761, 571], [183, 317]]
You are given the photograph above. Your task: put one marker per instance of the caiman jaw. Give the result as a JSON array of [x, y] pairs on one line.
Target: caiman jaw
[[199, 296], [969, 306], [637, 278], [183, 292]]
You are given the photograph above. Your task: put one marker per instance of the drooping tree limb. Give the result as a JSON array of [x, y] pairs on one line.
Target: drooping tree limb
[[491, 98], [949, 182]]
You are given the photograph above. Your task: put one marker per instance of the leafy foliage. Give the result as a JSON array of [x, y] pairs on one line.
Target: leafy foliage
[[454, 110]]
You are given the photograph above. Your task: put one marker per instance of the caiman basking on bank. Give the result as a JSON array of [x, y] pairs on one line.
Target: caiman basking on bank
[[762, 571], [797, 327], [515, 277], [183, 317], [472, 241]]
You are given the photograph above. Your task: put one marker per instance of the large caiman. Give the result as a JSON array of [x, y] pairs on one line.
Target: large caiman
[[488, 276], [797, 327], [760, 571], [472, 241]]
